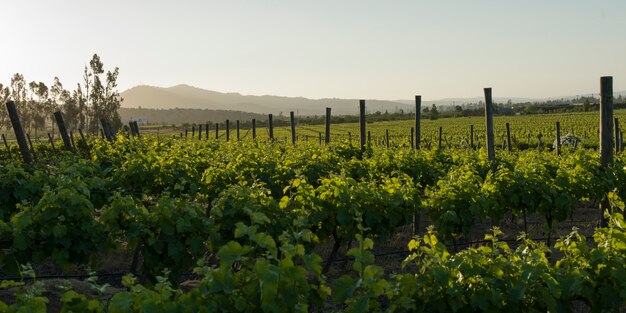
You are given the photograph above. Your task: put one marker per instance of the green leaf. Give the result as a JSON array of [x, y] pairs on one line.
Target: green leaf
[[344, 288], [231, 252], [259, 218]]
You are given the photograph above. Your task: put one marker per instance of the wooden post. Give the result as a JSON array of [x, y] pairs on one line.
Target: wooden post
[[54, 149], [558, 138], [412, 139], [6, 145], [217, 131], [606, 121], [71, 139], [254, 128], [199, 131], [418, 117], [327, 139], [292, 119], [238, 137], [227, 123], [617, 126], [271, 126], [131, 128], [491, 151], [472, 136], [137, 132], [186, 133], [206, 131], [19, 132], [193, 131], [107, 135], [362, 123], [606, 135], [387, 138], [508, 137], [82, 137], [320, 133], [63, 131], [111, 132], [440, 135], [32, 148]]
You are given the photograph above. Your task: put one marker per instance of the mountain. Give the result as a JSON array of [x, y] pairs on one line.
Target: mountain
[[181, 116], [188, 97], [185, 96]]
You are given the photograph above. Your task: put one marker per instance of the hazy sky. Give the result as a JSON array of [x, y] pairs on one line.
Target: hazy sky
[[323, 49]]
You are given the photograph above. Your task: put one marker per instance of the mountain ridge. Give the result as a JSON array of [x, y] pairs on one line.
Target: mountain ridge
[[191, 97]]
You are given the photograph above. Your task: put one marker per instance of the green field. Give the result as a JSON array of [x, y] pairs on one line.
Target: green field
[[255, 225]]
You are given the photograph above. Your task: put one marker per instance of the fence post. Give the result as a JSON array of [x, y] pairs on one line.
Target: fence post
[[54, 149], [327, 139], [418, 117], [617, 129], [82, 137], [412, 138], [271, 126], [137, 129], [193, 131], [105, 129], [217, 131], [227, 130], [558, 138], [440, 135], [63, 131], [32, 148], [491, 151], [199, 131], [362, 123], [19, 132], [254, 128], [238, 137], [387, 138], [292, 119], [606, 134], [131, 128], [472, 136], [4, 138], [508, 137], [71, 139], [206, 131]]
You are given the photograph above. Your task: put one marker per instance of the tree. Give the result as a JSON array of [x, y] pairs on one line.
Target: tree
[[42, 107], [5, 93], [18, 92], [58, 95], [434, 114], [72, 113], [586, 105], [101, 101]]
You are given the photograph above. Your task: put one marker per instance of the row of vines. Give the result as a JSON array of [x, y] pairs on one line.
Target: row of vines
[[246, 218]]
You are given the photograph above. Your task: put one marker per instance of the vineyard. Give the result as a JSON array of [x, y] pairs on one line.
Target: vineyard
[[250, 218], [196, 223]]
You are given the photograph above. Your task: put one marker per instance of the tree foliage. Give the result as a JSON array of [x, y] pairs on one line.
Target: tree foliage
[[97, 97]]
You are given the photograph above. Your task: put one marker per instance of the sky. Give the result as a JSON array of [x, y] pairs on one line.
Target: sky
[[324, 49]]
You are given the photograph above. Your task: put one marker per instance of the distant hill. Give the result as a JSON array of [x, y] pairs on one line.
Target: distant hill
[[184, 96], [214, 106], [180, 116]]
